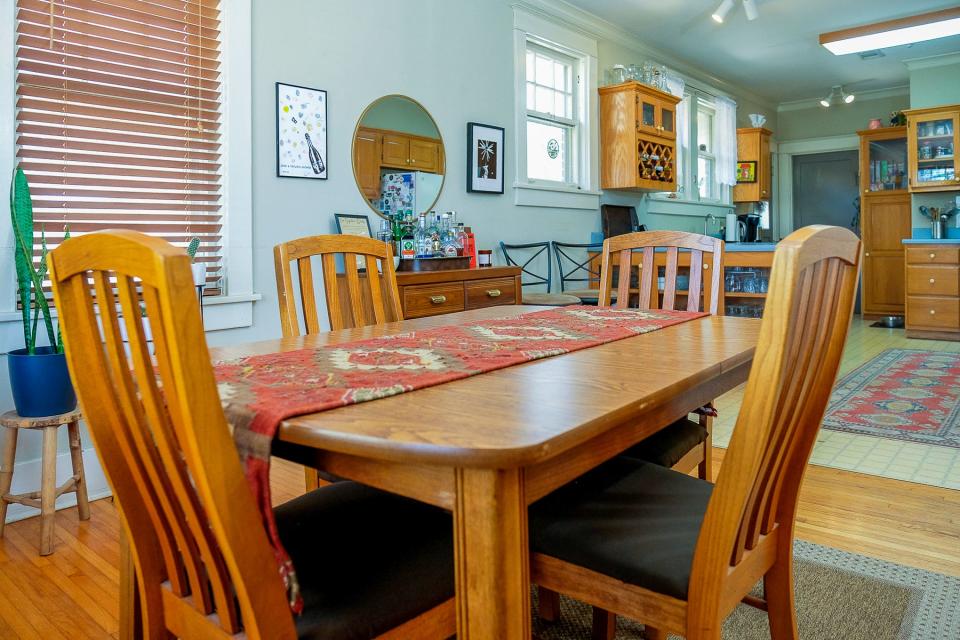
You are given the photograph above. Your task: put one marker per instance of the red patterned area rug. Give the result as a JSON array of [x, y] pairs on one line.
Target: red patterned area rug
[[259, 392], [902, 394]]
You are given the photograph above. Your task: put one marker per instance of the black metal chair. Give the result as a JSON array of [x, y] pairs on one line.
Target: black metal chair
[[533, 253], [576, 271]]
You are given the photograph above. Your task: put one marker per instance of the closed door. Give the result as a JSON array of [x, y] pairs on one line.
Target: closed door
[[647, 119], [668, 127], [424, 155], [366, 163], [885, 221], [825, 189], [395, 151]]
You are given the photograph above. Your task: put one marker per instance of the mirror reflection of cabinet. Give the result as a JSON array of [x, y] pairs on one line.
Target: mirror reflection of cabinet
[[933, 136], [398, 156]]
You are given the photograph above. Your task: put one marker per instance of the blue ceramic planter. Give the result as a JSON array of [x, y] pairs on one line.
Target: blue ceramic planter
[[40, 382]]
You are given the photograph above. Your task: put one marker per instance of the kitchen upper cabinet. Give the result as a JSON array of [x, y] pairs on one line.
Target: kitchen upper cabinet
[[883, 160], [366, 162], [932, 138], [424, 155], [753, 145], [638, 131], [405, 152], [884, 223]]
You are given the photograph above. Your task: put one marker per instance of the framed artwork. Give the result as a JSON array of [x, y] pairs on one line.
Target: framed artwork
[[746, 171], [301, 132], [484, 158], [349, 224]]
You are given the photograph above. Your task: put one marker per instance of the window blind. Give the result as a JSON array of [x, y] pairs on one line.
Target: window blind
[[119, 119]]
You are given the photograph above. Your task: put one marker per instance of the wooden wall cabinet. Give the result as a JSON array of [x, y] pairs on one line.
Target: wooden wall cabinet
[[933, 291], [638, 132], [885, 220], [376, 149], [366, 162], [933, 135], [753, 145]]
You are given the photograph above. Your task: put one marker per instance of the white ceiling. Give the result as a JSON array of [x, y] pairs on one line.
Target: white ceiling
[[777, 56]]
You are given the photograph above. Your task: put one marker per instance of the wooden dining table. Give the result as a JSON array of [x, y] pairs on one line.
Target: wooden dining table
[[487, 446]]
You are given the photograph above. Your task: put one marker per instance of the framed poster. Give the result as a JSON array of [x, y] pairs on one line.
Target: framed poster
[[746, 172], [349, 224], [484, 158], [301, 132]]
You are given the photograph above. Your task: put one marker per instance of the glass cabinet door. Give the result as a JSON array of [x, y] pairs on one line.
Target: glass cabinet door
[[886, 167], [646, 114], [668, 127], [935, 151]]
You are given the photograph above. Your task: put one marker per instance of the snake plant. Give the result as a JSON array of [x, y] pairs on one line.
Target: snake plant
[[29, 277]]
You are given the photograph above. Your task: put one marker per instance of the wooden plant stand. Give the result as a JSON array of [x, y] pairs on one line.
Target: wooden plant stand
[[46, 498]]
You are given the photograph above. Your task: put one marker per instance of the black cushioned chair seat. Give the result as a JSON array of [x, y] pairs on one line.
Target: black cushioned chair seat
[[667, 446], [549, 299], [630, 520], [366, 560]]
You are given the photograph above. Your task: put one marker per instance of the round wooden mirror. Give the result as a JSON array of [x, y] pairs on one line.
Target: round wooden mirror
[[398, 157]]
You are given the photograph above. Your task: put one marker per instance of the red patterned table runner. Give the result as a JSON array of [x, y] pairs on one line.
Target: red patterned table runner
[[259, 392]]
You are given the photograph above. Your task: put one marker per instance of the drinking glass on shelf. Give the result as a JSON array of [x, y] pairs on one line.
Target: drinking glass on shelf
[[750, 284]]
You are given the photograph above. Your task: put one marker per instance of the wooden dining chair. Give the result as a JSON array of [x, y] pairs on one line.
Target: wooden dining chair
[[354, 299], [204, 566], [685, 444], [678, 553]]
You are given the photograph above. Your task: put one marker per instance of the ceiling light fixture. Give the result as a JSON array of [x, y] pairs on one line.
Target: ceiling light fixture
[[825, 102], [837, 90], [750, 8], [892, 33], [721, 13]]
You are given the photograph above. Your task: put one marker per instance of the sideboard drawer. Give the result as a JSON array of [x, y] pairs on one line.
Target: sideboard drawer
[[432, 300], [939, 313], [933, 281], [933, 255], [490, 293]]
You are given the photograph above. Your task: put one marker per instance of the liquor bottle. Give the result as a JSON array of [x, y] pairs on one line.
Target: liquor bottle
[[449, 238], [424, 249], [315, 160], [436, 249], [461, 239], [408, 243]]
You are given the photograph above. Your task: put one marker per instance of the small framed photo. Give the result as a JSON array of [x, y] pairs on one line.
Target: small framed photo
[[484, 158], [746, 172], [349, 224], [301, 132]]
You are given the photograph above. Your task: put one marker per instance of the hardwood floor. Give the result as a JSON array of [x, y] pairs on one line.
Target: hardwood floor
[[72, 594]]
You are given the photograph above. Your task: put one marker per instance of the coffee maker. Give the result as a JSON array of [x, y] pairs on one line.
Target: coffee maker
[[750, 229]]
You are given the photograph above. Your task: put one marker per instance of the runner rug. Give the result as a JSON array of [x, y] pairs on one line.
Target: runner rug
[[901, 394], [259, 392]]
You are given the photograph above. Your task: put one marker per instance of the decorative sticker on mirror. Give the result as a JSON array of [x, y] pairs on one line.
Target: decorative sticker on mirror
[[301, 132]]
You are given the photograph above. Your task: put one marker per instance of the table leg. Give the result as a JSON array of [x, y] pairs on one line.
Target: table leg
[[491, 555], [130, 622]]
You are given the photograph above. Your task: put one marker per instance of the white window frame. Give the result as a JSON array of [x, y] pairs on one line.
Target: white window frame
[[581, 191], [715, 187], [232, 309], [571, 125]]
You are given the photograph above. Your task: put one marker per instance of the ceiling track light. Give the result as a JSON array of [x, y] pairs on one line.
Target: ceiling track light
[[750, 8], [837, 90], [721, 13]]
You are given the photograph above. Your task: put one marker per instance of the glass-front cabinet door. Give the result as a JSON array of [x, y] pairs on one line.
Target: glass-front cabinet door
[[933, 143], [647, 116], [883, 160], [668, 126]]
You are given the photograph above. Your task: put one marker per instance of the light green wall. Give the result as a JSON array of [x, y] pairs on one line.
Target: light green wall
[[840, 119], [399, 114], [933, 86]]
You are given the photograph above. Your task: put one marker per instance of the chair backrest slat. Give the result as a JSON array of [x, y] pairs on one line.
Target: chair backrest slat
[[531, 251], [194, 530], [648, 290], [808, 310], [352, 300]]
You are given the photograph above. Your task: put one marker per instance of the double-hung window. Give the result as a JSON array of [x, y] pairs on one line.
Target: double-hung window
[[119, 122], [552, 87], [707, 186]]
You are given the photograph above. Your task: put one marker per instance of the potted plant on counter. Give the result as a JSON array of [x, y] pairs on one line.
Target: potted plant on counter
[[38, 374]]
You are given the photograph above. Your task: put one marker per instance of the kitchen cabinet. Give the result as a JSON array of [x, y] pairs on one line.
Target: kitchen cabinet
[[885, 219], [366, 163], [401, 151], [753, 145], [933, 290], [638, 132], [932, 138]]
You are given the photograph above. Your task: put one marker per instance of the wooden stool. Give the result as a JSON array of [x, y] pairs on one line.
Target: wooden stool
[[46, 498]]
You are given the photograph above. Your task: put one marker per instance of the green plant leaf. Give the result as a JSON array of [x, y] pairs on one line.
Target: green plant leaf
[[192, 247], [21, 216]]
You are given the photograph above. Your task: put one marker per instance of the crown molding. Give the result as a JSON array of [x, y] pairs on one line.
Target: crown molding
[[589, 24], [862, 96], [913, 64]]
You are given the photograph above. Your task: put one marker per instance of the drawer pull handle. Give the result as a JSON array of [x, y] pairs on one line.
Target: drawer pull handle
[[438, 299], [493, 293], [931, 281], [867, 254], [932, 312], [932, 256]]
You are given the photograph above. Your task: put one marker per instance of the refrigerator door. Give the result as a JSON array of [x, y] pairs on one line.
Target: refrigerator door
[[426, 190]]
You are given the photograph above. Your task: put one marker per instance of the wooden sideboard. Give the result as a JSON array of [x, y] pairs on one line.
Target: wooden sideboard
[[933, 290], [433, 293]]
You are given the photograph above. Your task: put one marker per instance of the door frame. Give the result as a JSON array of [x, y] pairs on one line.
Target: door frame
[[785, 153]]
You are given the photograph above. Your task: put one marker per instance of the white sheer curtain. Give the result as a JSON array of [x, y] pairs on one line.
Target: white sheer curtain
[[676, 86], [725, 140]]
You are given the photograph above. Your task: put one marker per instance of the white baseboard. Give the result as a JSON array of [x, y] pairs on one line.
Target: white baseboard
[[26, 478]]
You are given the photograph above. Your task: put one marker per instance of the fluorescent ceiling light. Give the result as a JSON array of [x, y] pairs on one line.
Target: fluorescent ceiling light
[[721, 13], [750, 8], [892, 33]]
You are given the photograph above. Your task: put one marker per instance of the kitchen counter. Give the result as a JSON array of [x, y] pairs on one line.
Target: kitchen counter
[[953, 241], [750, 246]]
